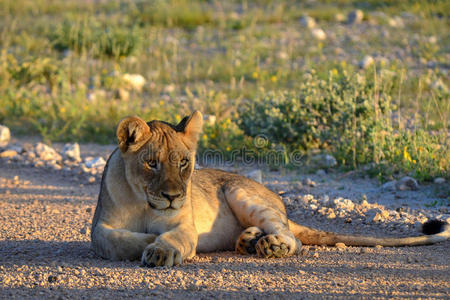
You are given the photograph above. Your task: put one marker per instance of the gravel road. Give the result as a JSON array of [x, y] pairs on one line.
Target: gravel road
[[45, 253]]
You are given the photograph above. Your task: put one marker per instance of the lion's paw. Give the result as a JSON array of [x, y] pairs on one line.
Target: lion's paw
[[246, 242], [157, 254], [273, 245]]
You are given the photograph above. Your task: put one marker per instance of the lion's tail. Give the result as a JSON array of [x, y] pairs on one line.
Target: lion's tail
[[437, 231]]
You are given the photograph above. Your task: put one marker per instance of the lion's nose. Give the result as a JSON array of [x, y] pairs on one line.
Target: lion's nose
[[170, 197]]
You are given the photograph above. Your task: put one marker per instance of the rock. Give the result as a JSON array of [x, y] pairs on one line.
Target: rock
[[94, 162], [407, 183], [439, 180], [396, 22], [209, 119], [319, 34], [255, 175], [134, 81], [309, 182], [91, 179], [343, 204], [366, 62], [340, 245], [389, 186], [8, 154], [52, 278], [339, 17], [71, 152], [308, 22], [5, 135], [439, 85], [355, 17], [324, 161], [123, 94], [316, 255], [321, 172], [331, 214], [46, 153]]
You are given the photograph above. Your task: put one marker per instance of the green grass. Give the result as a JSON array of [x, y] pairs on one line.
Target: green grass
[[62, 65]]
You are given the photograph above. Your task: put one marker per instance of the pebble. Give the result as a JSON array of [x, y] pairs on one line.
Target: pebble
[[366, 62], [308, 22], [94, 162], [309, 182], [355, 17], [407, 183], [316, 255], [8, 154], [71, 152], [439, 180], [319, 34], [389, 186], [52, 278], [91, 179], [46, 152], [340, 245], [5, 135]]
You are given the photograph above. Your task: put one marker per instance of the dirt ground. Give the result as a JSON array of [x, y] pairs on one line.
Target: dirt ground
[[45, 253]]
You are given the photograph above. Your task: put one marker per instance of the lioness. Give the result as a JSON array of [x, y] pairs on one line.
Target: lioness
[[153, 205]]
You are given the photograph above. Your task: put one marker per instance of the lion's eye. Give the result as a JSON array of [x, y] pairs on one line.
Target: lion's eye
[[184, 162], [152, 164]]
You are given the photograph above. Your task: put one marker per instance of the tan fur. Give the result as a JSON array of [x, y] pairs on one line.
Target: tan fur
[[154, 206]]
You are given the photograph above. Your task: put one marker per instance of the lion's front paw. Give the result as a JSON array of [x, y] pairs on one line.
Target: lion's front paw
[[246, 242], [273, 245], [156, 255]]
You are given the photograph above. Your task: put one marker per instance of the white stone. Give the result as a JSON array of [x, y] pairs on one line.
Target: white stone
[[355, 17], [319, 34], [406, 184], [45, 152], [308, 22], [366, 62], [71, 152], [134, 81], [439, 180], [209, 119], [94, 162], [5, 135]]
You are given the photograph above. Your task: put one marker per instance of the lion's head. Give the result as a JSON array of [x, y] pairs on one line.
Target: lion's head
[[159, 159]]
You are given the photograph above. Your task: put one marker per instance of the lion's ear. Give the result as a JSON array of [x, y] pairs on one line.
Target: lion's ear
[[193, 127], [132, 133]]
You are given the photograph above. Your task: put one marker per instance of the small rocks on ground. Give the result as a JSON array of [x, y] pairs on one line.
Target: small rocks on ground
[[5, 135], [340, 245], [71, 152], [46, 152], [309, 182], [8, 154], [94, 162], [355, 17], [407, 183]]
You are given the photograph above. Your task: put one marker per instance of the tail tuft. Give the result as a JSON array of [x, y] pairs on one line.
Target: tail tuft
[[433, 227]]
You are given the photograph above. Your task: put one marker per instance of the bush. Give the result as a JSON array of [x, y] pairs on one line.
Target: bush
[[87, 36]]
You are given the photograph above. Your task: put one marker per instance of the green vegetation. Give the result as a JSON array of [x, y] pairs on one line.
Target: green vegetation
[[65, 70]]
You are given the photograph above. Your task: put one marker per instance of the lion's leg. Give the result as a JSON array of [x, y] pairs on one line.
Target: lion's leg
[[171, 247], [119, 244], [256, 210]]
